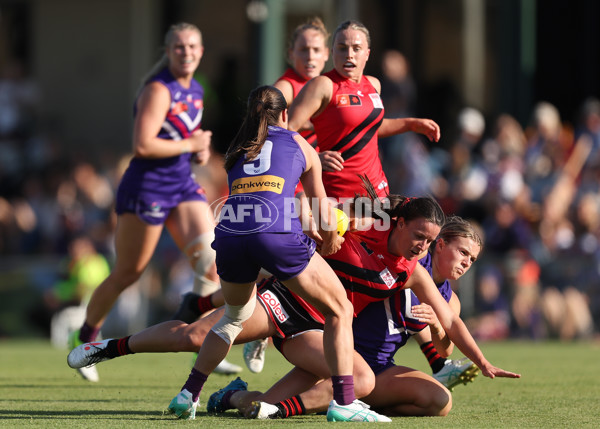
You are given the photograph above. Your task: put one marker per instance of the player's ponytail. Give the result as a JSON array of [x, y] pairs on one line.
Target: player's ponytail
[[397, 206], [265, 105]]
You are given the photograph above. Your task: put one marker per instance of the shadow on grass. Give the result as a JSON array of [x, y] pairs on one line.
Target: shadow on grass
[[109, 414], [28, 414], [83, 384]]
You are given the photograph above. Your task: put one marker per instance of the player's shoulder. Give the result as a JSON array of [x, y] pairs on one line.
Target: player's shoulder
[[375, 83]]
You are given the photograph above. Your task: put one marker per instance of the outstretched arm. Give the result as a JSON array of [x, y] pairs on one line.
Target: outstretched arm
[[392, 126], [424, 287]]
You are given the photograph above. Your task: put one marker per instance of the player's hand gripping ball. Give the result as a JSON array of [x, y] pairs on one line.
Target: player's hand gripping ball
[[342, 221]]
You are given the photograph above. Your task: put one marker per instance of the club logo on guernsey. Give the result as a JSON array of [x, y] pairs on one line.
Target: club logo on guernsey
[[347, 100], [273, 303]]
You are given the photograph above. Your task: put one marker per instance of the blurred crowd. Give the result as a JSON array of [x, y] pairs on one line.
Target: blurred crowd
[[533, 191]]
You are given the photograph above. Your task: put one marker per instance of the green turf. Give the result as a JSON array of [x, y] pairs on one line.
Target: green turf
[[560, 388]]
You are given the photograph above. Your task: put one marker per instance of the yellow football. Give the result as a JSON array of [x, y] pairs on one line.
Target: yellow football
[[342, 221]]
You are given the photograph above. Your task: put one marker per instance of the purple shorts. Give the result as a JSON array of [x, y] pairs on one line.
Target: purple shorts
[[153, 205], [240, 257]]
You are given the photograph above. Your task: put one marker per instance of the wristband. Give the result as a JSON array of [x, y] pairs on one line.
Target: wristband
[[186, 147]]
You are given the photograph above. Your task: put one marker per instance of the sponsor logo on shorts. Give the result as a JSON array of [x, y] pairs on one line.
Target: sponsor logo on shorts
[[155, 211], [263, 183], [273, 303]]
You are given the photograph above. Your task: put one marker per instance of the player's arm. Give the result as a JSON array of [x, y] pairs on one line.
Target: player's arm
[[321, 207], [392, 126], [153, 105], [440, 339], [423, 286], [312, 99], [286, 89]]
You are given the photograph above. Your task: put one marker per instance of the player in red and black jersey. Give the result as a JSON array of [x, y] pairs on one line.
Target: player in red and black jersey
[[347, 113], [307, 54]]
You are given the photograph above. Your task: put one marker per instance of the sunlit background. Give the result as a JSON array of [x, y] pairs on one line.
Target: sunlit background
[[514, 85]]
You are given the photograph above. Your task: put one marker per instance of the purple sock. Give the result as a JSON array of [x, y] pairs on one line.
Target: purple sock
[[225, 402], [88, 333], [194, 383], [343, 389]]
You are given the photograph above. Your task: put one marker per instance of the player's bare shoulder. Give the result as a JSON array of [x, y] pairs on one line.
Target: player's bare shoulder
[[310, 154], [375, 82]]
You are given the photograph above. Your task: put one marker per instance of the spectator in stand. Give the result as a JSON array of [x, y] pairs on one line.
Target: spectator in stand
[[404, 156]]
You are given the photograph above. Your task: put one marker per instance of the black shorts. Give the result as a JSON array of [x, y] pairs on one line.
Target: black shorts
[[288, 315]]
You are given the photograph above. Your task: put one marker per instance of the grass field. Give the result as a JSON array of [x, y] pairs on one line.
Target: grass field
[[559, 388]]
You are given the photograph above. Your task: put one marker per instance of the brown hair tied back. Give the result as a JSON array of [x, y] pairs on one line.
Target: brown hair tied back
[[265, 105], [397, 206]]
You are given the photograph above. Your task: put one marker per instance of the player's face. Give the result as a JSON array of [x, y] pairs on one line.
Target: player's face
[[309, 54], [411, 239], [453, 259], [350, 53], [184, 53]]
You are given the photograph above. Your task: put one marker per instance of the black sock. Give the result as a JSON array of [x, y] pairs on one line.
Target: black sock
[[119, 347], [291, 407], [436, 361]]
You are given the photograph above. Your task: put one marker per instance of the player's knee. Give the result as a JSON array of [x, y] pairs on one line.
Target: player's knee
[[439, 402], [202, 259], [344, 309], [200, 253], [364, 381], [193, 336], [338, 307], [443, 405], [122, 279], [230, 324]]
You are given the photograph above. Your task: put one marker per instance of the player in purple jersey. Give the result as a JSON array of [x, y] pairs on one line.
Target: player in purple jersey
[[379, 339], [257, 229], [285, 314], [158, 189], [383, 327], [457, 232]]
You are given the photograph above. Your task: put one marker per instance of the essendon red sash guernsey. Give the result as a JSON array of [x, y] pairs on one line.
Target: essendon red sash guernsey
[[297, 83], [349, 125], [366, 268]]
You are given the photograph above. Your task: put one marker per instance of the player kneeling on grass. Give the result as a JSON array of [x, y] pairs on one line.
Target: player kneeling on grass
[[379, 331], [449, 258], [412, 387]]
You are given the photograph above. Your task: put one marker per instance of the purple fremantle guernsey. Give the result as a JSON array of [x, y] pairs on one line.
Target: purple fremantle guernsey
[[385, 326], [184, 116], [261, 192]]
